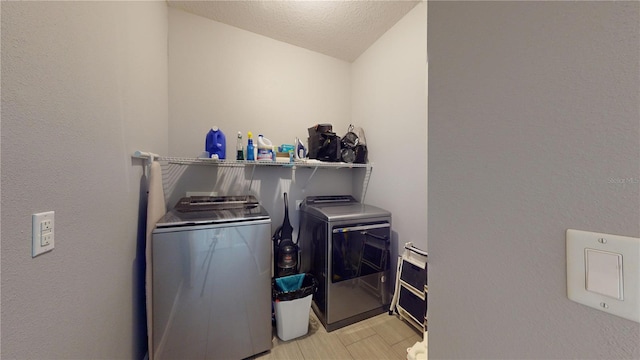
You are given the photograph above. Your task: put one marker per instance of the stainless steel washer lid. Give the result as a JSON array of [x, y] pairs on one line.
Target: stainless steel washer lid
[[223, 209], [205, 203], [344, 211]]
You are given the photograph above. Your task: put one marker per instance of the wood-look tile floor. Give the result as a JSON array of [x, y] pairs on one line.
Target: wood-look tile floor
[[380, 337]]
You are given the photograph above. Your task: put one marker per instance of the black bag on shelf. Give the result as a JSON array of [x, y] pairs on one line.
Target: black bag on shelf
[[324, 144], [353, 146]]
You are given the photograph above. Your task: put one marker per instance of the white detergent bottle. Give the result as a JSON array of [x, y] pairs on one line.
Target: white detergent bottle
[[265, 149]]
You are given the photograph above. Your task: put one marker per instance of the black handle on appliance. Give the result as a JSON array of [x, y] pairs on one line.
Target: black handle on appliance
[[416, 250], [383, 237]]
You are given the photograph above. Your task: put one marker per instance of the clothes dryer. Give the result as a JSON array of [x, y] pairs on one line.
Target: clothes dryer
[[345, 245]]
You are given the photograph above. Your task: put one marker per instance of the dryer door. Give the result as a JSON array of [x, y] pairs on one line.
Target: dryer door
[[358, 269], [359, 251]]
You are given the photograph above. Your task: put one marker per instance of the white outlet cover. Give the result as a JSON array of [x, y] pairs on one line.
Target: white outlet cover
[[611, 293], [37, 230]]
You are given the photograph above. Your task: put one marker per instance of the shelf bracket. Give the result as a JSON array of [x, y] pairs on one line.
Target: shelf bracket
[[150, 157], [253, 170], [309, 179], [365, 182]]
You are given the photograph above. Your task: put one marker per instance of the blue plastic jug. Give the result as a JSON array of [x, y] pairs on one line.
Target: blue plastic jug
[[216, 143]]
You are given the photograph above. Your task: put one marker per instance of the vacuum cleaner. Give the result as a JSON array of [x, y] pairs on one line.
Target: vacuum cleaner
[[285, 251]]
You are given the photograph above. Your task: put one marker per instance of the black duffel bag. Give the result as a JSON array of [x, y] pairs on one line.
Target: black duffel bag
[[324, 144]]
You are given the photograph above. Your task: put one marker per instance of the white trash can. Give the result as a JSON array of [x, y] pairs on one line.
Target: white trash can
[[292, 309], [292, 317]]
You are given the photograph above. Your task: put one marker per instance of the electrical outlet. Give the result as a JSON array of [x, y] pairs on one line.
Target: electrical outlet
[[46, 224], [42, 233], [46, 239]]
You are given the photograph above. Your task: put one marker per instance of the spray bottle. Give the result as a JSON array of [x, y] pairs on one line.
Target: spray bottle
[[250, 149]]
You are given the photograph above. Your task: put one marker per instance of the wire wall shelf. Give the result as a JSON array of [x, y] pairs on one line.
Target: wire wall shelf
[[242, 163], [309, 164]]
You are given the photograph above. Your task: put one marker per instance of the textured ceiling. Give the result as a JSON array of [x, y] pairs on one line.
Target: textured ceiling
[[341, 29]]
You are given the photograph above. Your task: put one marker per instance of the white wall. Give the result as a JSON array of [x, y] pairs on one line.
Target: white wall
[[84, 85], [240, 81], [533, 108], [389, 100]]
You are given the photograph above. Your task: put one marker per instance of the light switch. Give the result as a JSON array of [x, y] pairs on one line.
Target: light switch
[[604, 272]]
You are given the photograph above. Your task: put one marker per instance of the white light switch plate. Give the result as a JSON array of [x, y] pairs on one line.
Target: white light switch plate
[[603, 272], [42, 231]]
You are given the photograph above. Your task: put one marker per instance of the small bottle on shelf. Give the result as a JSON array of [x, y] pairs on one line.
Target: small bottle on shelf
[[239, 147]]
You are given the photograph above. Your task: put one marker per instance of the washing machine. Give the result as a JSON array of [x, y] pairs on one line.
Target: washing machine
[[345, 245], [212, 279]]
